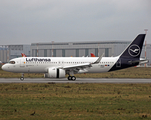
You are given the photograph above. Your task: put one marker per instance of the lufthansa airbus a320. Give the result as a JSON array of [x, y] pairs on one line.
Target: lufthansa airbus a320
[[58, 67]]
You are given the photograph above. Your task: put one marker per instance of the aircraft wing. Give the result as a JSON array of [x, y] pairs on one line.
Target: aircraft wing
[[78, 67]]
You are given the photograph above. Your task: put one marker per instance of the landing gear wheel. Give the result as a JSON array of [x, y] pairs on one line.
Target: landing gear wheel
[[22, 78], [69, 77], [73, 78]]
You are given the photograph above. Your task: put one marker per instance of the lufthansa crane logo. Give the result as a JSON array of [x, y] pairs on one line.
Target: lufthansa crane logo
[[134, 50]]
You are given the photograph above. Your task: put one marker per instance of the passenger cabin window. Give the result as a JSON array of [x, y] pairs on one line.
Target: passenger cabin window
[[12, 62]]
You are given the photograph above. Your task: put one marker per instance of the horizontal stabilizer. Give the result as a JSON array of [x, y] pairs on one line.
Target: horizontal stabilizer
[[139, 61], [144, 61]]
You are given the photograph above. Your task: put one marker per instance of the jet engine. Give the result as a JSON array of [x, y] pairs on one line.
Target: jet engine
[[55, 73]]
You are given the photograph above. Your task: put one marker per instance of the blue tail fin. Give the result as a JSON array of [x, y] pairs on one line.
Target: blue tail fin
[[135, 47], [131, 55]]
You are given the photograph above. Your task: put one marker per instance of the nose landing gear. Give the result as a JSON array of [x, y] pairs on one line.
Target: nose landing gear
[[22, 77]]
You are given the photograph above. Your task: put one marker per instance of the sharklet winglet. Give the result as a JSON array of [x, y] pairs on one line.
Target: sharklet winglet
[[98, 60]]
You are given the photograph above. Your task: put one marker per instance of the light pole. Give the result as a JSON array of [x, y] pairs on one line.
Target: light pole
[[145, 44], [37, 49], [52, 48]]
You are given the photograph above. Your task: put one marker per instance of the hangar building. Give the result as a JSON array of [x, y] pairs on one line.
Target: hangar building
[[8, 52], [77, 49], [65, 49]]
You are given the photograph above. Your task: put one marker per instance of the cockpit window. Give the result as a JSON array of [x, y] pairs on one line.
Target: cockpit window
[[12, 62]]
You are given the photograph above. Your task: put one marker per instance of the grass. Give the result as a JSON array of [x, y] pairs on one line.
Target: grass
[[75, 101], [134, 72]]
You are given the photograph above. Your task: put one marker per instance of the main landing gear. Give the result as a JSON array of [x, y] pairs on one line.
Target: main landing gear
[[22, 77], [73, 78]]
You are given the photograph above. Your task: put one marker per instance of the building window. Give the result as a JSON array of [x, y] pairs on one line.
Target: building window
[[106, 52], [63, 53], [35, 52], [96, 52], [45, 52], [86, 52], [54, 52], [77, 52]]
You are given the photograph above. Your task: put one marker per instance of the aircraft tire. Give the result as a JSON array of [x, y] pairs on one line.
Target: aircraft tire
[[69, 77], [73, 78], [22, 78]]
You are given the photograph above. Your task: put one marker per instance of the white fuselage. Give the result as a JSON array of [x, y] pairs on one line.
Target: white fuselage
[[41, 64]]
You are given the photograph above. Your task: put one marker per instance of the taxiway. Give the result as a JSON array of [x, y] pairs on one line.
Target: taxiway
[[79, 80]]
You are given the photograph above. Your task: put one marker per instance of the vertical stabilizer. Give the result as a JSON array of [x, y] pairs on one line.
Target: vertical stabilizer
[[135, 47], [131, 55]]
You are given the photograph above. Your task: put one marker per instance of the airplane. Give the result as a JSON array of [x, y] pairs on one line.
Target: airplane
[[58, 67], [23, 55], [92, 55]]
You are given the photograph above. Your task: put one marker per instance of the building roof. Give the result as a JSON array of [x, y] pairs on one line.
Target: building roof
[[81, 43]]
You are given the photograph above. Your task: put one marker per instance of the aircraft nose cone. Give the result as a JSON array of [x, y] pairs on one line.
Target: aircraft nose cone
[[4, 67]]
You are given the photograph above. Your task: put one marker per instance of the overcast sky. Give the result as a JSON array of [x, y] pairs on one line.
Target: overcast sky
[[31, 21]]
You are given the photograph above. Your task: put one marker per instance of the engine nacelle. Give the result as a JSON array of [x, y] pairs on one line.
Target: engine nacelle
[[55, 73]]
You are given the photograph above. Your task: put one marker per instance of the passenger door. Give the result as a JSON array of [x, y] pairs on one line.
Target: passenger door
[[22, 62]]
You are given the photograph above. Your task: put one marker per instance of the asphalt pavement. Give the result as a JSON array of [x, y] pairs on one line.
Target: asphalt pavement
[[78, 80]]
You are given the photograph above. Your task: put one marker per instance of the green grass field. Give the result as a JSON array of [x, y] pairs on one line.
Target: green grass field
[[75, 101], [24, 101]]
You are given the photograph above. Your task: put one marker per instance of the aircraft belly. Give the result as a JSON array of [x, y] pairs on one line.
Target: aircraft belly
[[31, 69], [36, 69]]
